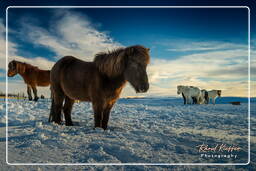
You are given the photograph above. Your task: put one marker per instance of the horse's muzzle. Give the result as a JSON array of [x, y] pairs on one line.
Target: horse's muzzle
[[143, 88], [9, 74]]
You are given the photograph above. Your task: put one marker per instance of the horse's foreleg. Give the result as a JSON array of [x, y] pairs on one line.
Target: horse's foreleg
[[67, 111], [187, 99], [35, 93], [194, 99], [184, 98], [29, 92], [106, 114], [98, 114], [197, 100]]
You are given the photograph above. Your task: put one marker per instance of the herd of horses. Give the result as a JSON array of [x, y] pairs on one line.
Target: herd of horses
[[100, 82], [193, 95]]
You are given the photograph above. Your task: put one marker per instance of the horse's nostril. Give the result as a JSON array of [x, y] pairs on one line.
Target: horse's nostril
[[147, 87], [144, 87]]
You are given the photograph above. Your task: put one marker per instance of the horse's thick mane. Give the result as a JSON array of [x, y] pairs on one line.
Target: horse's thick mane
[[113, 62], [21, 67], [28, 66]]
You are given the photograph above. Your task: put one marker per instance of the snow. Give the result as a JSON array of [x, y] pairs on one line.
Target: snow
[[141, 130]]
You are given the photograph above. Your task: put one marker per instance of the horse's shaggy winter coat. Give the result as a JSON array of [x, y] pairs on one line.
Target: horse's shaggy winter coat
[[99, 82]]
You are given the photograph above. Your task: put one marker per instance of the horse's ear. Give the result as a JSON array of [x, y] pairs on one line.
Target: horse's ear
[[20, 68]]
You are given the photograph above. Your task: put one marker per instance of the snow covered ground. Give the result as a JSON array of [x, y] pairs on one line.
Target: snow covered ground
[[149, 130]]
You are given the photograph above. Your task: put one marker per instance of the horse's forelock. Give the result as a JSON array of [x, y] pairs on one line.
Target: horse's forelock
[[138, 51]]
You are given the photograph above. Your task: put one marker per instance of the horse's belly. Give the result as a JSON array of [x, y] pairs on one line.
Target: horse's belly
[[43, 84], [76, 92]]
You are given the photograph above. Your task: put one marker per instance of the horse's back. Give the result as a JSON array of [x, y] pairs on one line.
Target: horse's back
[[193, 91], [73, 77]]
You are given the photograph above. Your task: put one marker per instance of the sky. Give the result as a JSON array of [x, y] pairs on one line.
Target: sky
[[204, 47]]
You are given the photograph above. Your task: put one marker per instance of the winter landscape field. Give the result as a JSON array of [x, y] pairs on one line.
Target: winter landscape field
[[146, 130]]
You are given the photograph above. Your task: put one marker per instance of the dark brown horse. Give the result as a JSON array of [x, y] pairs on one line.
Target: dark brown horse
[[32, 76], [99, 82]]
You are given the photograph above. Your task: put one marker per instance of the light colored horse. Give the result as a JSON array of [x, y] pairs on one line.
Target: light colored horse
[[189, 92], [213, 94]]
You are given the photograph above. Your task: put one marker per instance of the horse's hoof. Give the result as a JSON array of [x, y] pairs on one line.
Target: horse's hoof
[[57, 122], [30, 99], [36, 99], [69, 124]]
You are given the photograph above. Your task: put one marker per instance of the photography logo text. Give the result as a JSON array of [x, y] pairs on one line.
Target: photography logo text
[[218, 151]]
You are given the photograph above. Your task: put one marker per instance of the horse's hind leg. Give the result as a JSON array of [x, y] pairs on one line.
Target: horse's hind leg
[[106, 114], [98, 114], [67, 111], [52, 110], [58, 99], [29, 92], [52, 106], [35, 93]]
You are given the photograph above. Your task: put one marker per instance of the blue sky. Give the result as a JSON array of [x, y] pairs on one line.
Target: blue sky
[[200, 47], [150, 27]]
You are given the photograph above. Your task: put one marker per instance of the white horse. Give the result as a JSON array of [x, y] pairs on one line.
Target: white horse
[[189, 92], [213, 94]]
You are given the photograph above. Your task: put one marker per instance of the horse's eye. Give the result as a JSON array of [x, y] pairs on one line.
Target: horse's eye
[[12, 66]]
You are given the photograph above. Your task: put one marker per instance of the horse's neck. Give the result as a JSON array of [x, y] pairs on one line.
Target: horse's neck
[[117, 83], [24, 75]]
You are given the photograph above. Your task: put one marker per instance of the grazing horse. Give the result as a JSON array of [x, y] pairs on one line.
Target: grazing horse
[[32, 76], [213, 94], [99, 82]]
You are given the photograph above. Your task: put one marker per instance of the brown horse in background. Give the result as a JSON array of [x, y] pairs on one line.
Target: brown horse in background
[[100, 81], [32, 76]]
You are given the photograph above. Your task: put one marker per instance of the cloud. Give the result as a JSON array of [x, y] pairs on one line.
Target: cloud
[[210, 65], [72, 34], [43, 63], [225, 69], [40, 62], [184, 46]]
